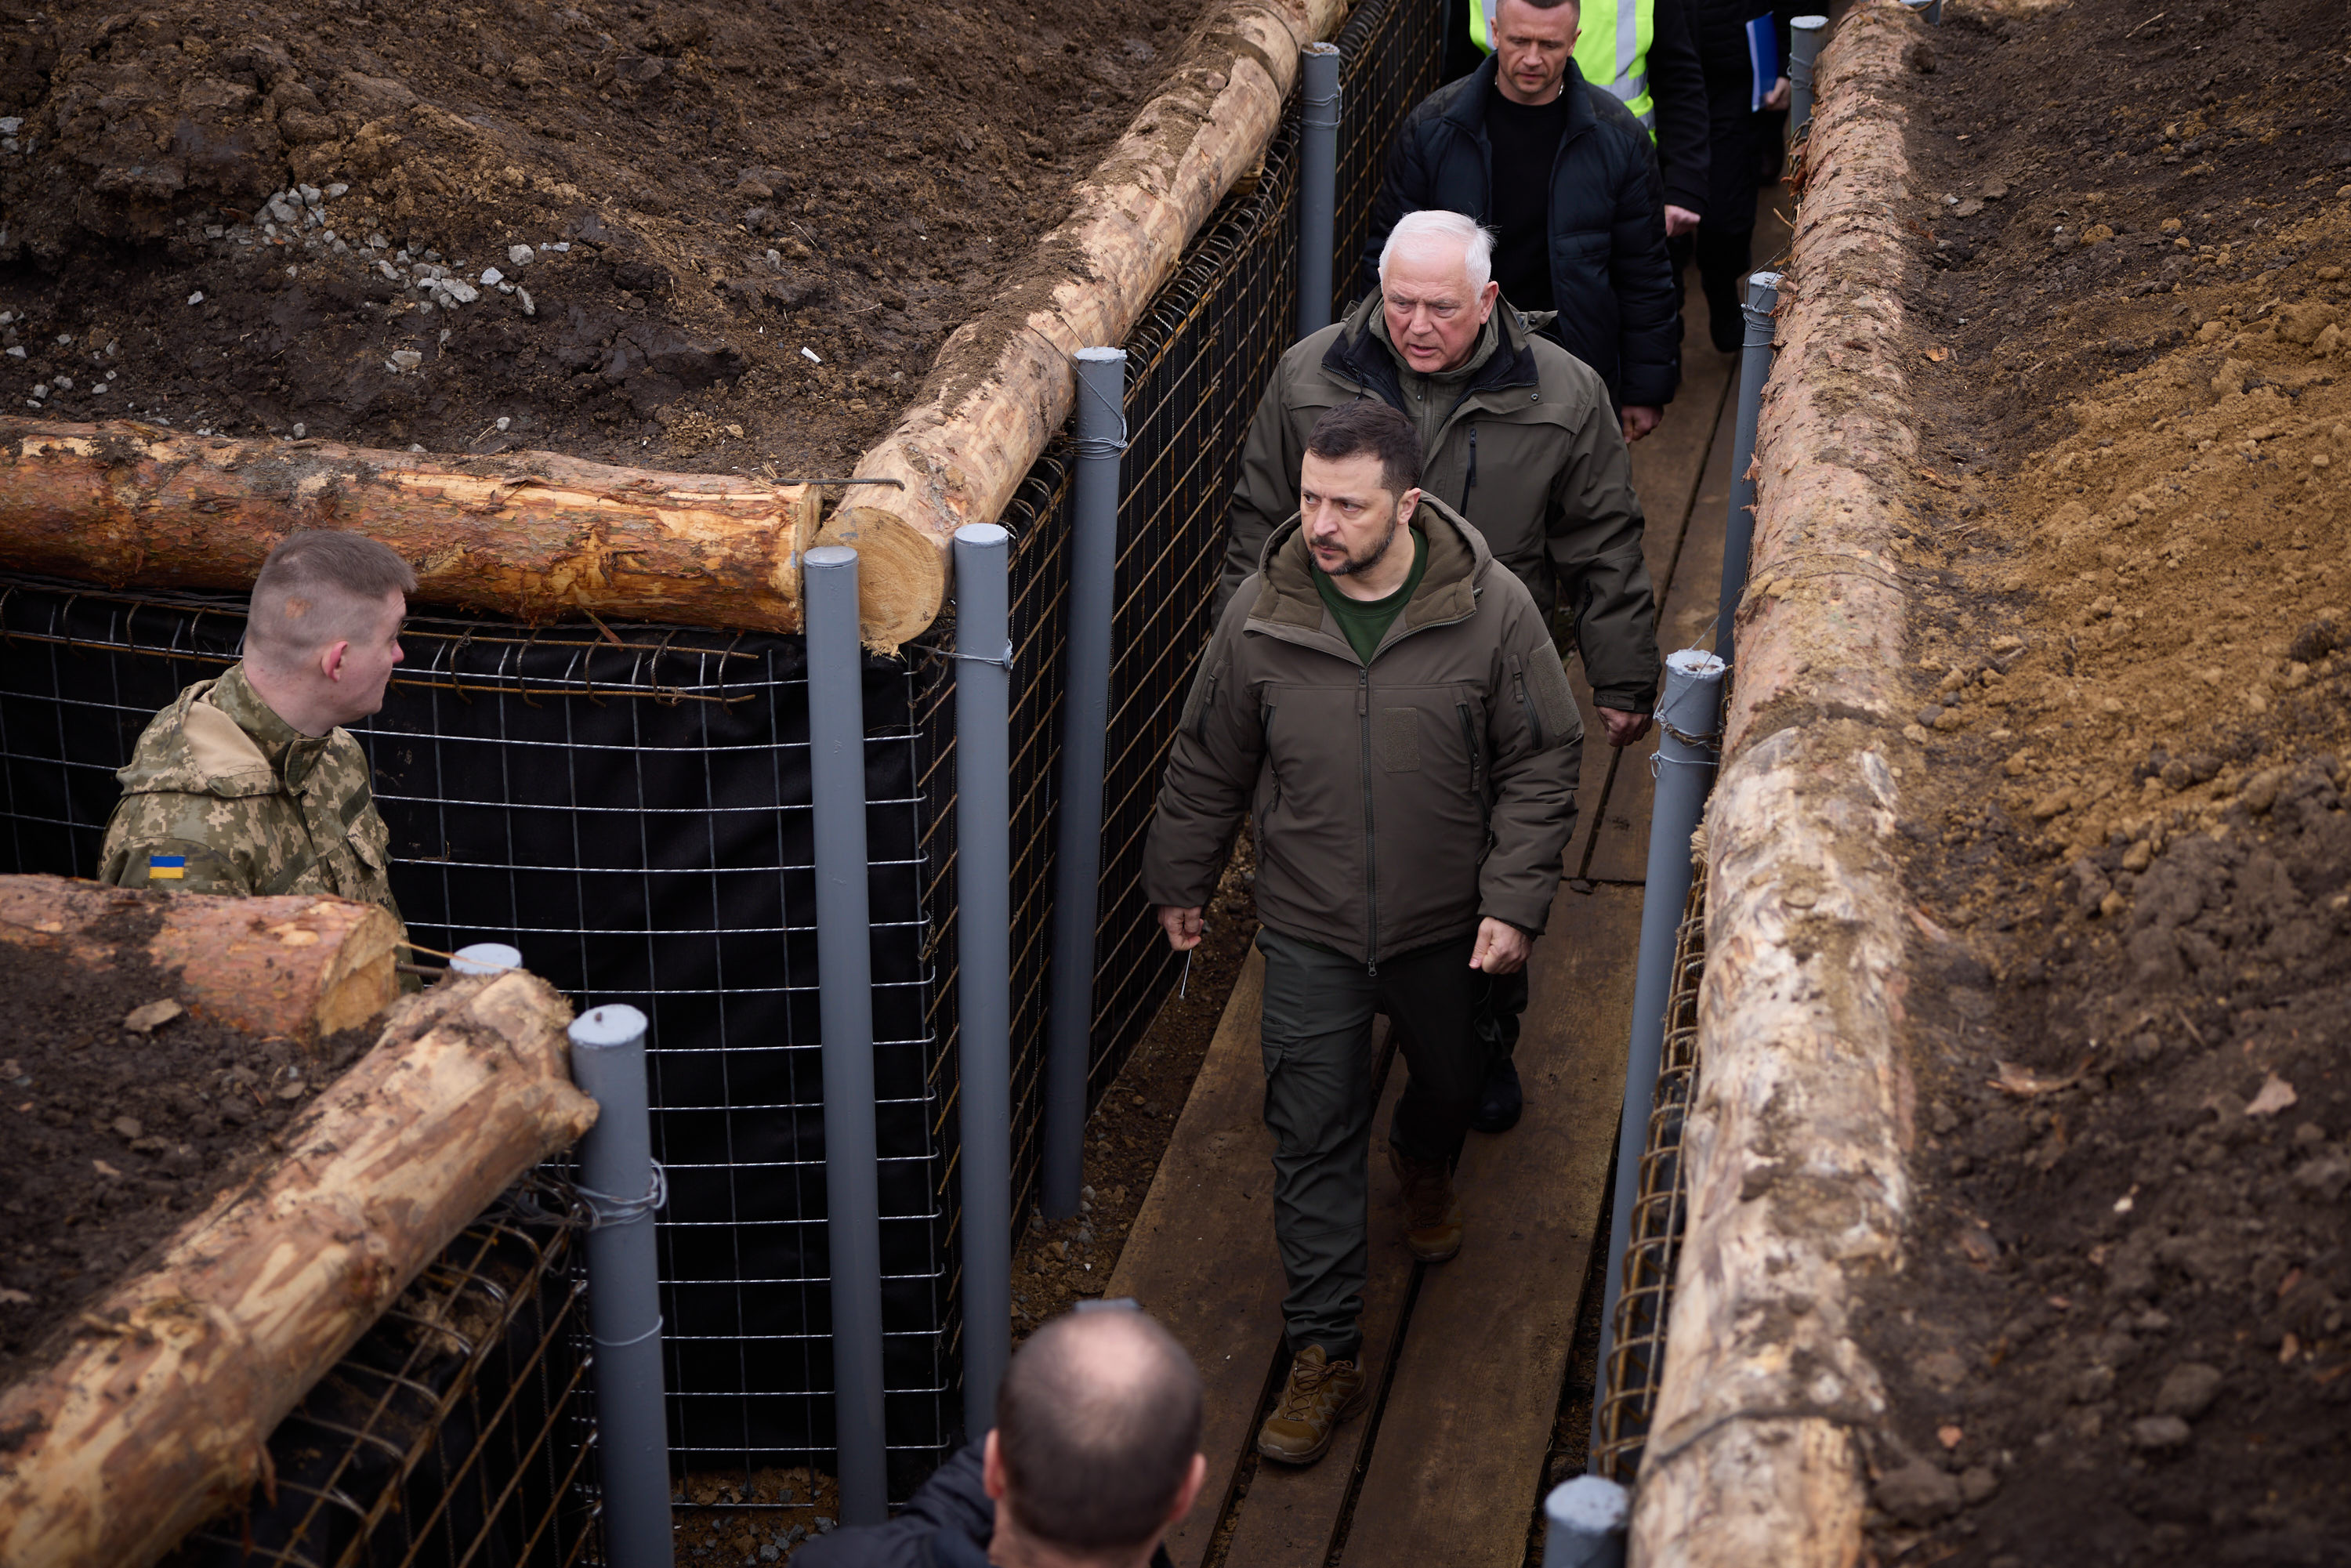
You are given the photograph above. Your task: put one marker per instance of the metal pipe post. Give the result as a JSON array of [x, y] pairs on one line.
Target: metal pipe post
[[845, 957], [1085, 723], [485, 958], [984, 957], [1318, 184], [617, 1178], [1690, 716], [1804, 37], [1738, 539], [1584, 1524]]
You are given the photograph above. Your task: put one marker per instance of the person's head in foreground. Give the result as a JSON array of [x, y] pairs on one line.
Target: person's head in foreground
[[323, 633], [1096, 1451], [1437, 288], [1358, 489]]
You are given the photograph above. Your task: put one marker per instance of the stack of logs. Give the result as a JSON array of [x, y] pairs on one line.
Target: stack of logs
[[154, 1414]]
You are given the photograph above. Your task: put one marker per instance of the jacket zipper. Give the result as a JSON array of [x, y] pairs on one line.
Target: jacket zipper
[[1476, 771], [1535, 723], [1370, 860], [1471, 483]]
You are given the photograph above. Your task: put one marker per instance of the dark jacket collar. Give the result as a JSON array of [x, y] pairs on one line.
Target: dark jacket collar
[[1468, 109], [1360, 356], [1457, 559]]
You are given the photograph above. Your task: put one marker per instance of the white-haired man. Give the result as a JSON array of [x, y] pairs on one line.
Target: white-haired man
[[1518, 437]]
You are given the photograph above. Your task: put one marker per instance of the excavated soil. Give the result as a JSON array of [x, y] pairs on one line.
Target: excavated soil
[[113, 1138], [724, 237], [2120, 1333]]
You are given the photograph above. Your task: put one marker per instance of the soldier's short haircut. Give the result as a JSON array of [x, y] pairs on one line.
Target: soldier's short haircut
[[1096, 1423], [1367, 425], [316, 585], [1433, 226]]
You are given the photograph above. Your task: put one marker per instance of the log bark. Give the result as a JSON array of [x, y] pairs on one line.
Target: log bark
[[1004, 383], [301, 966], [154, 1418], [531, 535], [1795, 1147]]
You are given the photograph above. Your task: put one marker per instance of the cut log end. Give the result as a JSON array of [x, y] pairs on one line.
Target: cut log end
[[902, 573]]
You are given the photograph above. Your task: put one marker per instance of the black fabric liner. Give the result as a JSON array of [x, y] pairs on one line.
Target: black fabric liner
[[636, 822]]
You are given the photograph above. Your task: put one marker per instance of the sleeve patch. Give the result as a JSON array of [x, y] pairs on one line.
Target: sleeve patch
[[167, 868], [1555, 699]]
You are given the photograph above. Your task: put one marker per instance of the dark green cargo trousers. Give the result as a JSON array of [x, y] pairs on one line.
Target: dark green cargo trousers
[[1318, 1100]]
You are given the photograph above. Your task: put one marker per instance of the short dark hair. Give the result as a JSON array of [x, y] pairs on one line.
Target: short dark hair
[[307, 567], [1096, 1423], [1367, 425]]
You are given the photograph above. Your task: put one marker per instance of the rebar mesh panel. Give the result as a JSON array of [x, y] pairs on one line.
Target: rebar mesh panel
[[1392, 55], [1197, 365], [631, 813], [455, 1432], [1636, 1357]]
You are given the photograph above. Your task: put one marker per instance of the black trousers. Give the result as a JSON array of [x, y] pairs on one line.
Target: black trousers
[[1317, 1039], [1724, 258]]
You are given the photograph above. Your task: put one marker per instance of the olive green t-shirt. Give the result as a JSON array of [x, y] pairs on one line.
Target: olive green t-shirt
[[1363, 622]]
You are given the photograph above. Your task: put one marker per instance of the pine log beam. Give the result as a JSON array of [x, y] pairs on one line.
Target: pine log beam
[[1796, 1146], [529, 535], [299, 966], [155, 1415], [1004, 383]]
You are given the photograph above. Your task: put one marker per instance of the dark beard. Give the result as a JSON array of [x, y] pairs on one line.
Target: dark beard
[[1352, 565]]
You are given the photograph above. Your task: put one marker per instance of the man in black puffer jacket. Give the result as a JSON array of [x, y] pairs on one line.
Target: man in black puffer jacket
[[1724, 244], [1569, 180]]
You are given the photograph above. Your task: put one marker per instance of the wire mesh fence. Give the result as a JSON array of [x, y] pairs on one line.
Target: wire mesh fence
[[1197, 365], [632, 812], [456, 1432], [1636, 1361]]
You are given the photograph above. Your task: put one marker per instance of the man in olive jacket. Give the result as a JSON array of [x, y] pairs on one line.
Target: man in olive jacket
[[1386, 702]]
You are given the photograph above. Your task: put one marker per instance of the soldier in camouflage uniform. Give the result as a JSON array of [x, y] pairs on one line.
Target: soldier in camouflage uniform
[[247, 784]]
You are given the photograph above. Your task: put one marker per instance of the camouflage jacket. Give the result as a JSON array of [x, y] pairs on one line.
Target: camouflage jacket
[[223, 796]]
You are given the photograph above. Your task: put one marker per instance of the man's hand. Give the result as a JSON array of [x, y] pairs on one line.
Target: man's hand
[[1183, 926], [1776, 99], [1639, 421], [1502, 947], [1679, 221], [1624, 728]]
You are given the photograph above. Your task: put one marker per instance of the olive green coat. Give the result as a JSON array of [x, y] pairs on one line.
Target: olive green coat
[[1521, 442], [1395, 802], [248, 802]]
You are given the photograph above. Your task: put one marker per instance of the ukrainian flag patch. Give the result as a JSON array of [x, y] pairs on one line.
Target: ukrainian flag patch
[[167, 868]]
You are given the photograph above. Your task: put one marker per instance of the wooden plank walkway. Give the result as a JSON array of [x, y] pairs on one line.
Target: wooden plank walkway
[[1468, 1358]]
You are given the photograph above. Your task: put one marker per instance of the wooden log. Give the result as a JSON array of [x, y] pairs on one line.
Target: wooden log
[[1003, 385], [533, 536], [300, 966], [1795, 1146], [154, 1415]]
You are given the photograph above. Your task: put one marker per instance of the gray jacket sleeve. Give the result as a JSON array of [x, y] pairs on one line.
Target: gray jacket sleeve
[[1211, 770], [1535, 748], [1595, 527]]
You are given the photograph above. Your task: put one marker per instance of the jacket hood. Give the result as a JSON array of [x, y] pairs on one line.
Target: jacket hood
[[1458, 563], [224, 740]]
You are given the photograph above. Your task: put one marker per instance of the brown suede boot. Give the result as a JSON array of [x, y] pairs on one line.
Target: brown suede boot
[[1432, 1214], [1321, 1393]]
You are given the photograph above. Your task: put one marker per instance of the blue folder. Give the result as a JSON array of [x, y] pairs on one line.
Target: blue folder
[[1763, 54]]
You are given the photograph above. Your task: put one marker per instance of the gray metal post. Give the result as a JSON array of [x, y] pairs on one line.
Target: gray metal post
[[984, 957], [844, 958], [1085, 722], [1318, 184], [1689, 714], [616, 1177], [1585, 1520], [484, 958], [1804, 37], [1754, 369]]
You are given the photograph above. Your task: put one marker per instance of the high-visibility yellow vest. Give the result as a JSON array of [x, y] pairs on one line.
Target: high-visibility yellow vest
[[1613, 50]]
